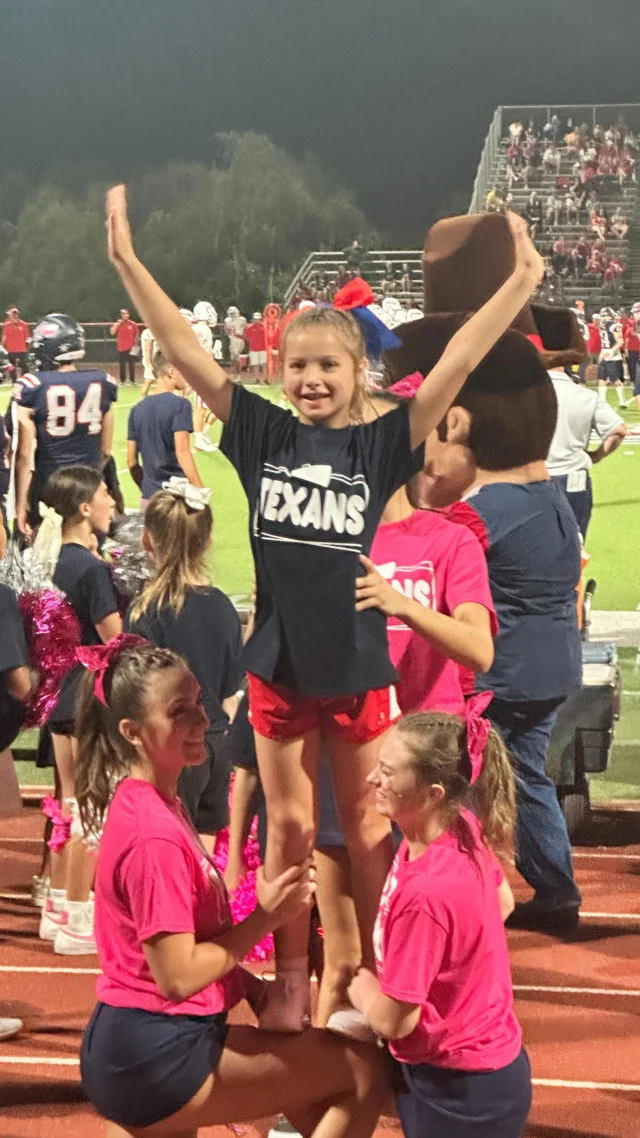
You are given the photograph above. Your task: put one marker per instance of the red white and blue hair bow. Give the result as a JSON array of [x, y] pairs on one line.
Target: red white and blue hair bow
[[355, 297]]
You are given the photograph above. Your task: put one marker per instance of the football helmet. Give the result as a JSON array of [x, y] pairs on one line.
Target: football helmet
[[57, 339]]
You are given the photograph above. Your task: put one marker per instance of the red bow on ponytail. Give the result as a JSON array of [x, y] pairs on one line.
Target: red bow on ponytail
[[97, 658]]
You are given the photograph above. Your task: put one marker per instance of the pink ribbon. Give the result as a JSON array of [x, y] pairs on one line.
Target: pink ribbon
[[61, 832], [97, 658], [408, 386], [478, 731]]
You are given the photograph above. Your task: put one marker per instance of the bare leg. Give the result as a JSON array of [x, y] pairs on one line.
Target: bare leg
[[262, 1074], [367, 834], [342, 948], [63, 754], [289, 774]]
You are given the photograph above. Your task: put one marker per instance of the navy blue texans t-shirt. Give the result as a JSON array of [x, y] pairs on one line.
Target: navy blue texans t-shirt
[[316, 496], [14, 653], [86, 582], [532, 544], [68, 410], [153, 424]]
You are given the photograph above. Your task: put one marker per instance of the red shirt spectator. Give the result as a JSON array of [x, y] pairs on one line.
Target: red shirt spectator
[[15, 333], [125, 331], [254, 335], [631, 336], [594, 346]]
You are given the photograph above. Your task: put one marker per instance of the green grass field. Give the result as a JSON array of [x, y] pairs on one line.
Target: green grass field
[[613, 545]]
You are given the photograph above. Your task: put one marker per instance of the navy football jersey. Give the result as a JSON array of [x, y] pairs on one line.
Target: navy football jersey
[[611, 337], [68, 410]]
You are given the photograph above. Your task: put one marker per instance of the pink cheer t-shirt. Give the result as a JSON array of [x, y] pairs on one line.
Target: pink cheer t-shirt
[[440, 943], [440, 565], [153, 877]]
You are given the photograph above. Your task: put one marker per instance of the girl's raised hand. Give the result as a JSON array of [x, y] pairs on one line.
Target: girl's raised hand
[[373, 592], [528, 258], [288, 895], [119, 242]]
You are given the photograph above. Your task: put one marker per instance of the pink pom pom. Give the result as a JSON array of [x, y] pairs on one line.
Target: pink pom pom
[[243, 899], [53, 633]]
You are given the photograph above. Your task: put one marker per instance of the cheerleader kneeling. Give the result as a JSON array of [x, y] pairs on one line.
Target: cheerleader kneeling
[[158, 1057], [442, 995]]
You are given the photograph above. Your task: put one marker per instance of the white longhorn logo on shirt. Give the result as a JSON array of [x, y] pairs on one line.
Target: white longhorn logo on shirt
[[289, 512]]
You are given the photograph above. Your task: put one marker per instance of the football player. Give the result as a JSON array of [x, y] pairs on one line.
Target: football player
[[65, 415]]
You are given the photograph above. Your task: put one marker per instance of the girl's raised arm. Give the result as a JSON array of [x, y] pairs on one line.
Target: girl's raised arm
[[477, 336], [169, 328]]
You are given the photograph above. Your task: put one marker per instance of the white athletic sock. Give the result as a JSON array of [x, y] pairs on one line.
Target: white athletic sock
[[58, 898], [602, 393], [621, 398], [80, 916]]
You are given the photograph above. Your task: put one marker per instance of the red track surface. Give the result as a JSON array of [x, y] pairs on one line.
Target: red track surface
[[589, 1035]]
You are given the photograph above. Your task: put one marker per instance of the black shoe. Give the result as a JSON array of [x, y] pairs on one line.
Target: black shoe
[[544, 918], [283, 1126]]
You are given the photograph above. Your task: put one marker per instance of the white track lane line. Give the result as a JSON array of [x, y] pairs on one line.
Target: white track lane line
[[541, 988], [625, 992], [562, 1084], [580, 1085], [36, 969]]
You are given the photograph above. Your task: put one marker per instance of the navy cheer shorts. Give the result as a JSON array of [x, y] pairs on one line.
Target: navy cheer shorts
[[139, 1068], [438, 1103]]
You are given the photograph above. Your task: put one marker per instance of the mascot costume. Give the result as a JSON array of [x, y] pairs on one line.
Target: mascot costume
[[490, 451]]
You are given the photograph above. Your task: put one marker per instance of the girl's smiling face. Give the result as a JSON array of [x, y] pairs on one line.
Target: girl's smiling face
[[173, 732], [321, 377]]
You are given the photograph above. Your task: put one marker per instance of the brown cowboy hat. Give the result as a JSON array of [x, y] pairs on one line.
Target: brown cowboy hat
[[465, 261]]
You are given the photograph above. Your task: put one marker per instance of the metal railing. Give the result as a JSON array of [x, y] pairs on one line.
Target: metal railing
[[330, 264], [487, 164]]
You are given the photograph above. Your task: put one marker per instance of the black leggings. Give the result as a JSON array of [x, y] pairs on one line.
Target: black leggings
[[127, 362]]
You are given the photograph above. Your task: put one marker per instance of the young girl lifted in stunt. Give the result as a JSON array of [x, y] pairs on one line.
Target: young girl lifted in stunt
[[316, 486], [158, 1057], [442, 995]]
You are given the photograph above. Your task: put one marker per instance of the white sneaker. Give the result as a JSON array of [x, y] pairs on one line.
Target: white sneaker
[[39, 890], [51, 921], [283, 1126], [205, 444], [71, 943], [351, 1023], [10, 1027]]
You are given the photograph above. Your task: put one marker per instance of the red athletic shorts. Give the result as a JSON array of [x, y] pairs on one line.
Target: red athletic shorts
[[279, 713]]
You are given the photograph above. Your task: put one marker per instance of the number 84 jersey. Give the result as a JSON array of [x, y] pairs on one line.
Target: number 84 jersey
[[68, 409]]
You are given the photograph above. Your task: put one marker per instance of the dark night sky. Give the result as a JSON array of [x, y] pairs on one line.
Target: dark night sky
[[395, 97]]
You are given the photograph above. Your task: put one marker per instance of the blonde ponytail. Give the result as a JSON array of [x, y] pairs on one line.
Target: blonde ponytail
[[180, 536]]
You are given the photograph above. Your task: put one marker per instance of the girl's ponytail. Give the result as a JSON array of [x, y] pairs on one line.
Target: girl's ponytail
[[104, 755], [180, 536], [493, 797]]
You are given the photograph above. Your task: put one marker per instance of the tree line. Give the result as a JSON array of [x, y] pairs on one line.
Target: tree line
[[234, 231]]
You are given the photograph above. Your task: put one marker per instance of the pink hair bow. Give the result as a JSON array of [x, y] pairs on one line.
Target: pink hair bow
[[408, 386], [97, 658], [478, 731], [61, 832]]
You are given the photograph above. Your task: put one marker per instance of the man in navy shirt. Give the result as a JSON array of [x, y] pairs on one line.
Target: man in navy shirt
[[158, 433], [65, 415]]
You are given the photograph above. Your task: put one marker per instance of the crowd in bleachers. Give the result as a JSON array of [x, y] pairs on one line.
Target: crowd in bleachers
[[565, 172]]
